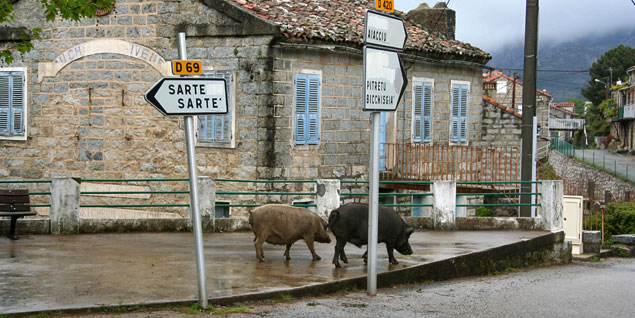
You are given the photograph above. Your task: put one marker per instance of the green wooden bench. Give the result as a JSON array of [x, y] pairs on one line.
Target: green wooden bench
[[15, 204]]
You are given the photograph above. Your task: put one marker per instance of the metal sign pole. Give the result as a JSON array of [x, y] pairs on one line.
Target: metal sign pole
[[194, 211], [373, 205]]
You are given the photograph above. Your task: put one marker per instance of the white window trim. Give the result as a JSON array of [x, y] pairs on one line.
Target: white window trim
[[412, 114], [25, 116], [319, 128], [232, 143], [467, 114]]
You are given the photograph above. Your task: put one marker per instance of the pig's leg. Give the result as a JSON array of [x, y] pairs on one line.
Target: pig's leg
[[365, 257], [286, 252], [309, 243], [343, 257], [390, 246], [339, 250], [259, 252]]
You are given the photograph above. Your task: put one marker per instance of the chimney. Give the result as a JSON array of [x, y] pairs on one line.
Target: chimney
[[427, 17]]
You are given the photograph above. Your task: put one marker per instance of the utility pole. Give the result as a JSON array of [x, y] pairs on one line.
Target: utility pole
[[514, 91], [529, 105]]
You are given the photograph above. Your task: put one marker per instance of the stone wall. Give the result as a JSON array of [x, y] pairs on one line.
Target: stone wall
[[579, 174], [90, 120], [500, 128]]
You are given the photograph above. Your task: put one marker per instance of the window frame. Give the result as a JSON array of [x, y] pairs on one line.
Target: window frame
[[413, 128], [25, 112], [307, 116], [465, 118], [231, 92]]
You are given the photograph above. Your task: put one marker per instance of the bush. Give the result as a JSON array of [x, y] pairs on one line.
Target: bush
[[619, 218], [484, 211]]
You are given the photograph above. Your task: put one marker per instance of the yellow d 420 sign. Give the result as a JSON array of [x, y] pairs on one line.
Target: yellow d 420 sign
[[386, 5], [187, 67]]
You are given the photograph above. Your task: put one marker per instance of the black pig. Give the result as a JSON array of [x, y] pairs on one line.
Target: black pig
[[349, 223]]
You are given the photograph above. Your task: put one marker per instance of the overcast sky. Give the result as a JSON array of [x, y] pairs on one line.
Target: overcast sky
[[489, 24]]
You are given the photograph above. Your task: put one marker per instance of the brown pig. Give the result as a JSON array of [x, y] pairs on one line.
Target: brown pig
[[283, 225]]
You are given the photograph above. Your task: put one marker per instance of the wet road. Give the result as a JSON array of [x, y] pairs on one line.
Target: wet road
[[49, 272]]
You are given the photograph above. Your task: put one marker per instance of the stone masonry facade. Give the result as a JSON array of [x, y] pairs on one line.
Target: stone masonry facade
[[90, 120]]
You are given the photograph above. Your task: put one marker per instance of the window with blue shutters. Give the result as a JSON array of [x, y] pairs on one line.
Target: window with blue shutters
[[217, 129], [12, 103], [422, 111], [459, 102], [307, 109]]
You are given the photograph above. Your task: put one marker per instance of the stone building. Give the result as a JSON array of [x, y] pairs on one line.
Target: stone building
[[294, 74], [508, 92]]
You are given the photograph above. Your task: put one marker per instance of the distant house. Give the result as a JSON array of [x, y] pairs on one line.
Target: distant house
[[563, 121], [74, 105], [623, 121]]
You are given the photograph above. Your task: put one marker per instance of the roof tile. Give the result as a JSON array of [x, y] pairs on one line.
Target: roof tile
[[342, 21]]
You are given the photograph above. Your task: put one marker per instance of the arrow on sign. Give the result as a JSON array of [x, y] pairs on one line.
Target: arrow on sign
[[185, 96], [384, 80], [384, 30]]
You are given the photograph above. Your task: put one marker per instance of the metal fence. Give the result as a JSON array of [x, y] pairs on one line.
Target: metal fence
[[598, 159]]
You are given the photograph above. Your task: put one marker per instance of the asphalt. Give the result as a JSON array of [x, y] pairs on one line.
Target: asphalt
[[58, 272]]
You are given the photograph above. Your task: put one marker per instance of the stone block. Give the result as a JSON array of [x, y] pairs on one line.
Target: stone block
[[591, 241], [628, 239]]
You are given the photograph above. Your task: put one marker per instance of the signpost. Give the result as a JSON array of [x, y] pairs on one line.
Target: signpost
[[384, 85], [188, 97], [384, 81], [184, 96]]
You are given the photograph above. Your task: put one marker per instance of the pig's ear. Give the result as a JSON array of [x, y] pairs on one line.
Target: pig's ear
[[409, 231]]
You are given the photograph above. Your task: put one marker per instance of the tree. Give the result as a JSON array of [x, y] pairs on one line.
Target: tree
[[23, 37], [579, 105], [618, 60]]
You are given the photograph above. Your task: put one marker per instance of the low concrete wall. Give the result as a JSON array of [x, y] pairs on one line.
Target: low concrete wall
[[443, 217]]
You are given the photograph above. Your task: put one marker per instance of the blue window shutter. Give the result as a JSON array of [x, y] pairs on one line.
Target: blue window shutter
[[300, 109], [463, 114], [455, 114], [307, 109], [417, 118], [17, 105], [427, 111], [5, 97], [313, 110], [12, 106], [460, 93]]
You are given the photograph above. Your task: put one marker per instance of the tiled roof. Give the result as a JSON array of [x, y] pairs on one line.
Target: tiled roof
[[342, 22], [494, 75]]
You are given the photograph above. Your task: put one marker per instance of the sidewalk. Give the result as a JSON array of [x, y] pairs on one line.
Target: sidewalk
[[55, 272], [619, 164]]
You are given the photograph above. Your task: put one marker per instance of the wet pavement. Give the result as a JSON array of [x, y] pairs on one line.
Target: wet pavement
[[54, 272]]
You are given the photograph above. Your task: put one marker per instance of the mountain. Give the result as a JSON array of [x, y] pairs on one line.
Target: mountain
[[571, 60]]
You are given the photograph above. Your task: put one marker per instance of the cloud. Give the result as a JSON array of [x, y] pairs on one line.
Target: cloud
[[491, 24]]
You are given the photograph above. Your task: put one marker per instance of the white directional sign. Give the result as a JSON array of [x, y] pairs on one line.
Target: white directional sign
[[384, 30], [189, 96], [384, 80]]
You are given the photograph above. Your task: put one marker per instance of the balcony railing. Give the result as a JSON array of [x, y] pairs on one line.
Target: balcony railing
[[425, 162], [566, 124]]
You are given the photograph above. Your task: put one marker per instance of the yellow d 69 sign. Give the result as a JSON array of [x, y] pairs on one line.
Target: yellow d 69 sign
[[386, 5], [187, 67]]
